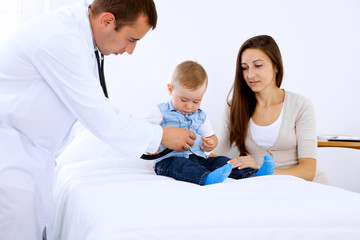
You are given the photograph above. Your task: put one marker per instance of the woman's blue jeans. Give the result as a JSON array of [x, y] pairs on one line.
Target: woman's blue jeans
[[195, 169]]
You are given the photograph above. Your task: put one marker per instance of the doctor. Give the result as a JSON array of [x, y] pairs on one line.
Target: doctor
[[49, 79]]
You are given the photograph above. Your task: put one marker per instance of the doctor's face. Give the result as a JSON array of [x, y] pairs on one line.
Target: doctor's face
[[114, 42]]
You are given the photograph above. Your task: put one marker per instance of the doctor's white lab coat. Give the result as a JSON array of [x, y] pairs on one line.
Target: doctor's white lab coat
[[49, 80]]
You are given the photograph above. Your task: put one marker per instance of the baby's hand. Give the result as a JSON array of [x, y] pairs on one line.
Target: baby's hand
[[154, 152], [208, 145]]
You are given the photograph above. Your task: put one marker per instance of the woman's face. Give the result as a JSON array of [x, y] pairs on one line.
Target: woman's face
[[258, 70]]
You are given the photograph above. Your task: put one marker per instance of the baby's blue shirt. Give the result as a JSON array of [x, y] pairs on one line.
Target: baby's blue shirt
[[191, 121]]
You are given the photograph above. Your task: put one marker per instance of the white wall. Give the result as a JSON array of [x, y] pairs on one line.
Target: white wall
[[319, 40]]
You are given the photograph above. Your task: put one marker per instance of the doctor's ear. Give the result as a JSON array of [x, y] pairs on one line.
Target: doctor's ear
[[107, 19]]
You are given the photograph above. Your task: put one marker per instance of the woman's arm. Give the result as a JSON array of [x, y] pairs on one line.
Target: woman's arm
[[305, 169], [307, 143]]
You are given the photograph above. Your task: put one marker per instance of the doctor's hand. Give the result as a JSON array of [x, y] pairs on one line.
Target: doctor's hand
[[243, 162], [177, 139]]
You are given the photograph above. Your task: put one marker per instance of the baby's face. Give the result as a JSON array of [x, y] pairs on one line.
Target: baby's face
[[186, 100]]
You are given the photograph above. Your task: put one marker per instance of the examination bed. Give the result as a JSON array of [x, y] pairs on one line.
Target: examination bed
[[103, 195]]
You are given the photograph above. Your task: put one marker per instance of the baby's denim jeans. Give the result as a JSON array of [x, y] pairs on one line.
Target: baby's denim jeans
[[195, 169]]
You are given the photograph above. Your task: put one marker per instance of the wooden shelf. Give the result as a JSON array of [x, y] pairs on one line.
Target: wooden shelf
[[342, 144]]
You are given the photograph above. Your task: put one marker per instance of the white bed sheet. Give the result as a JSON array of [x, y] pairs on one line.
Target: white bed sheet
[[121, 198]]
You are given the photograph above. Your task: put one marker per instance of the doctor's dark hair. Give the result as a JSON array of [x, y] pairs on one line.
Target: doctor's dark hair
[[241, 98], [126, 12]]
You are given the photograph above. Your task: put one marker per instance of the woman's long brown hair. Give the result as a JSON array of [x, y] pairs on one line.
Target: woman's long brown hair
[[241, 98]]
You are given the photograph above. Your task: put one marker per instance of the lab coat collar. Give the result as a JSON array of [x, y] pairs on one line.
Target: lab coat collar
[[87, 5]]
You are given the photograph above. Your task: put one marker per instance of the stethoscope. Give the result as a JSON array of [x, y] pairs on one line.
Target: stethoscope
[[100, 63]]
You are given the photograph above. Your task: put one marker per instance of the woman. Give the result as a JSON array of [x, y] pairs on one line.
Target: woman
[[264, 119]]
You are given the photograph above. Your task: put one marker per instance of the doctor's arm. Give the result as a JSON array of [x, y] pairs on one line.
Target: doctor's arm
[[69, 67]]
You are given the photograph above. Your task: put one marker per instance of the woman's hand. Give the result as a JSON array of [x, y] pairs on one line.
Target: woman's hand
[[244, 162]]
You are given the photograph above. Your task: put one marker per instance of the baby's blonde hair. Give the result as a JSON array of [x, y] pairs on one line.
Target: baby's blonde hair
[[190, 75]]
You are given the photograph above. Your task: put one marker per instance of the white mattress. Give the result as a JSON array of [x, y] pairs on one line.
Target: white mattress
[[120, 198]]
